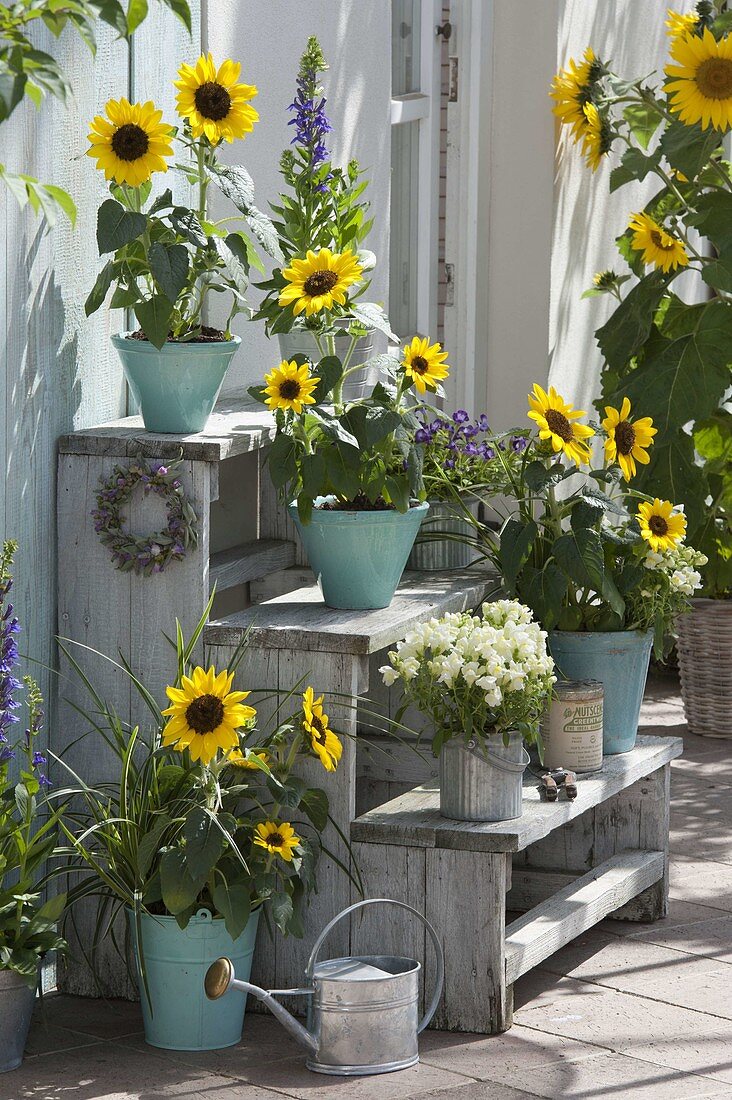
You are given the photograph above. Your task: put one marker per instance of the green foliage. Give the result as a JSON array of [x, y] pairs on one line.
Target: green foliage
[[363, 451], [29, 824], [168, 258], [170, 835], [670, 357], [26, 71]]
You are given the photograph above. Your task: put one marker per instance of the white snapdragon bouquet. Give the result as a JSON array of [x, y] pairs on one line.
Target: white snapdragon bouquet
[[475, 675]]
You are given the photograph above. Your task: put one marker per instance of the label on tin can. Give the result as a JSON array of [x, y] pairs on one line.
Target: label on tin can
[[572, 730]]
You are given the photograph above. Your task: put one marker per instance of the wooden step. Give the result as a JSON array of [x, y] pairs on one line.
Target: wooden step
[[579, 906], [248, 562], [300, 620]]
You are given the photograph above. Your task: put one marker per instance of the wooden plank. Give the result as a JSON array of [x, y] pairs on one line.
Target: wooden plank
[[277, 584], [465, 903], [414, 818], [235, 427], [249, 561], [639, 818], [579, 906], [530, 887], [300, 620], [274, 518]]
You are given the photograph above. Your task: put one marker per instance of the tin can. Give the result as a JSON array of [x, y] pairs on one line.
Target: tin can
[[572, 727]]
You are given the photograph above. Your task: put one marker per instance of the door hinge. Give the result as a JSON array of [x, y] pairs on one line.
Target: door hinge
[[452, 87], [449, 284]]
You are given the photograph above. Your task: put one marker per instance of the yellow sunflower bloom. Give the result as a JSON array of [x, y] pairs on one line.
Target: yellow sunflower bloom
[[658, 247], [627, 441], [205, 714], [131, 142], [596, 138], [700, 88], [290, 387], [277, 839], [425, 363], [679, 24], [239, 760], [554, 418], [571, 89], [212, 101], [320, 281], [315, 723], [660, 525]]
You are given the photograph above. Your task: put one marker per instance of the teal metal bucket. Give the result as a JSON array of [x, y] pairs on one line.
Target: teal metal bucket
[[175, 386], [176, 961], [619, 660], [359, 557]]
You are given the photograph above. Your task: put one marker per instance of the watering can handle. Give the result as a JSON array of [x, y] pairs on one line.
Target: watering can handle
[[439, 981], [498, 761]]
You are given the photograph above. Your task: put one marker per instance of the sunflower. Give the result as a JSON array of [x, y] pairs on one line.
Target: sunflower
[[597, 136], [572, 90], [239, 760], [425, 363], [290, 387], [131, 142], [700, 89], [626, 441], [205, 714], [554, 418], [277, 839], [658, 246], [660, 525], [678, 25], [315, 723], [212, 101], [320, 280]]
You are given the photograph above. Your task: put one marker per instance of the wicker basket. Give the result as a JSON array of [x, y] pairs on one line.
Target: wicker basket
[[705, 665]]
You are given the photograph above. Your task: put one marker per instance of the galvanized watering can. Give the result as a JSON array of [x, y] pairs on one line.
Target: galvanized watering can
[[362, 1014]]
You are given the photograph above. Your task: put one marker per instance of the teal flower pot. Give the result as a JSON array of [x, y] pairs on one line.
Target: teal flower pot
[[181, 1016], [175, 386], [358, 557], [619, 660]]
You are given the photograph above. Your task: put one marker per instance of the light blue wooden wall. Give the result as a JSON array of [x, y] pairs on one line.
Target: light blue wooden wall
[[58, 371]]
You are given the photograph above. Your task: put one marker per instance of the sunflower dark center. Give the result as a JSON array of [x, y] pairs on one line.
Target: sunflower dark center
[[290, 389], [130, 142], [624, 437], [666, 244], [714, 78], [320, 282], [212, 101], [658, 525], [205, 714], [420, 364], [318, 729], [275, 840], [559, 424]]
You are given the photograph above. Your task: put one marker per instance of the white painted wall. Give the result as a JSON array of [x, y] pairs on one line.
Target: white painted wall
[[268, 38], [587, 219]]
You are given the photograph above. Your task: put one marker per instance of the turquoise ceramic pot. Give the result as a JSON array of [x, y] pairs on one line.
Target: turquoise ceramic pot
[[175, 386], [358, 557], [619, 660], [181, 1016]]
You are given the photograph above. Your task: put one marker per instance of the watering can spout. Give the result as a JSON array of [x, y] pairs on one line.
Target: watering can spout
[[221, 977]]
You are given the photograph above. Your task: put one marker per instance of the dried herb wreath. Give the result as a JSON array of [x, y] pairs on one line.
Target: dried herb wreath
[[146, 554]]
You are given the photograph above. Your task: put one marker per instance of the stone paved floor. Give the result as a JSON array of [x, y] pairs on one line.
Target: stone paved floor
[[627, 1010]]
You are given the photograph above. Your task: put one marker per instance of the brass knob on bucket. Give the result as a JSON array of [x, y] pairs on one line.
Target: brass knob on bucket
[[218, 978]]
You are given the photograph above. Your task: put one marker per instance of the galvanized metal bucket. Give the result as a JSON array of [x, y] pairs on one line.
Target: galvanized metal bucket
[[482, 781], [433, 551], [16, 1009], [359, 383], [363, 1016]]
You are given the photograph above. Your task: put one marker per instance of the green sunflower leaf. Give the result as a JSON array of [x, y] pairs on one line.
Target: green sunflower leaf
[[154, 317], [169, 267], [116, 226]]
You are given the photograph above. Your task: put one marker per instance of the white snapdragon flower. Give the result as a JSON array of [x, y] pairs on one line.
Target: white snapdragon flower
[[389, 675]]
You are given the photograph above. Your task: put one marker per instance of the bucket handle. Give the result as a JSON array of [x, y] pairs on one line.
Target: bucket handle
[[440, 979], [499, 761]]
